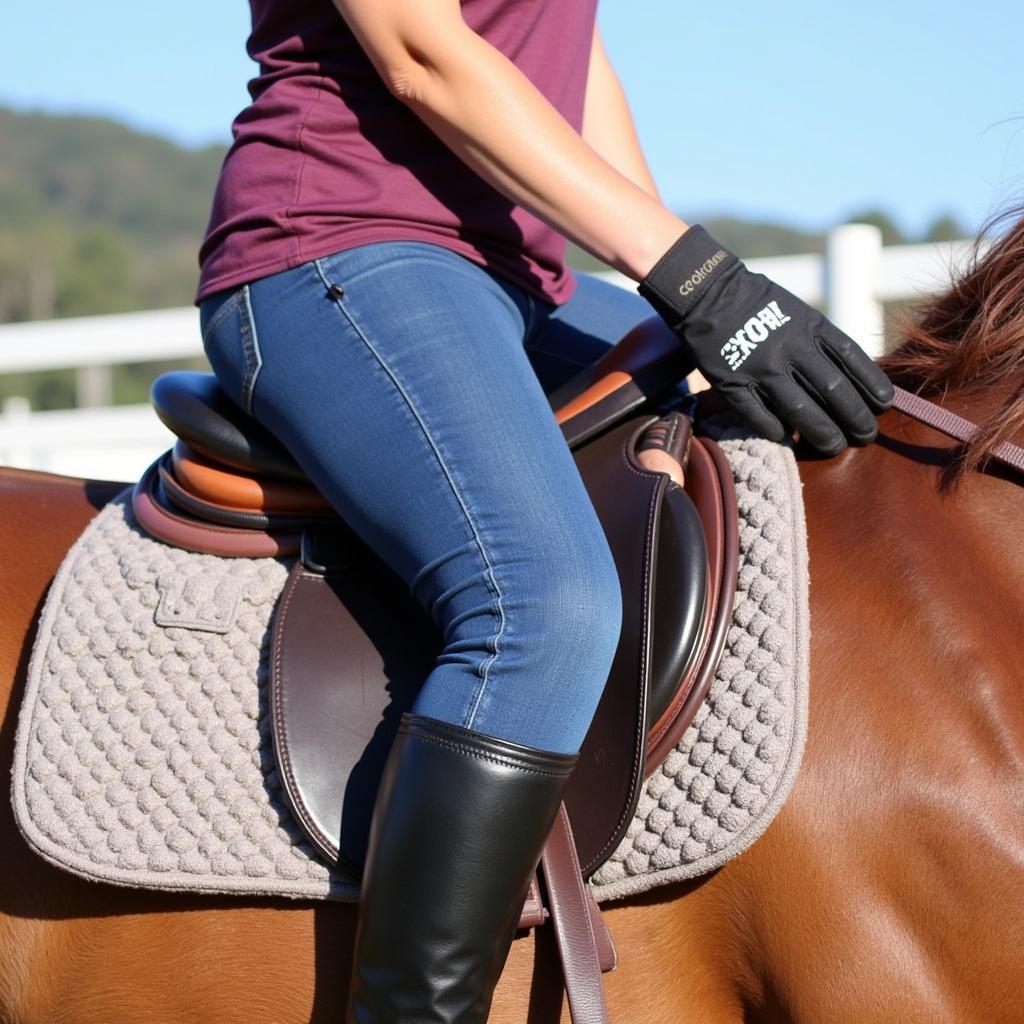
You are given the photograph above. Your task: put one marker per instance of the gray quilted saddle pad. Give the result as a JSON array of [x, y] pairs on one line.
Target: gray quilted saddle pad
[[143, 753]]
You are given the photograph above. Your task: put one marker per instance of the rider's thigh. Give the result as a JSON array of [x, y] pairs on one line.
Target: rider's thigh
[[395, 374]]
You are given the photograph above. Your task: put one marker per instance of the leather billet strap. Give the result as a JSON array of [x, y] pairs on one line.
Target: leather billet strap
[[952, 425], [534, 912], [581, 934]]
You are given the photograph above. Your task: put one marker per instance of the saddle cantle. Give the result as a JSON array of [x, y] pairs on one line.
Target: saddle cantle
[[350, 646]]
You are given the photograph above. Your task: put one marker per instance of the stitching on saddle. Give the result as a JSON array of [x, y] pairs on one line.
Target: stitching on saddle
[[718, 611], [493, 640]]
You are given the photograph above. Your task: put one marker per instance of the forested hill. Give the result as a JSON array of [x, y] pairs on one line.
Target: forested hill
[[96, 217]]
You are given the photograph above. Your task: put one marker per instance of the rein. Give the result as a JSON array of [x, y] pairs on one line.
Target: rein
[[952, 425]]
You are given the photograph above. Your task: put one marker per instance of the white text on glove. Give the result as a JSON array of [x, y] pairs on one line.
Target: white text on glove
[[752, 333]]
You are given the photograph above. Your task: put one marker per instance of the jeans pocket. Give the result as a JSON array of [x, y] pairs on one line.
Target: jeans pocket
[[231, 343]]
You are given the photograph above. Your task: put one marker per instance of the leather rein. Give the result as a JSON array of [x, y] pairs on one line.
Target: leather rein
[[952, 425]]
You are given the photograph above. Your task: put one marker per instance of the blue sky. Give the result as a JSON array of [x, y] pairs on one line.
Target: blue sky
[[796, 111]]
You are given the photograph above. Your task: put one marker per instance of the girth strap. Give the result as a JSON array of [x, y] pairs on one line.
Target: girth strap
[[584, 945]]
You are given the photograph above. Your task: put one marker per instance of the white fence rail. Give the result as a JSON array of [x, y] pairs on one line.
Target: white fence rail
[[851, 281], [113, 443]]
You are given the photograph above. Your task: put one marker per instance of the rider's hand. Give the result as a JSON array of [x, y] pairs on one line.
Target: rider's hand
[[778, 362]]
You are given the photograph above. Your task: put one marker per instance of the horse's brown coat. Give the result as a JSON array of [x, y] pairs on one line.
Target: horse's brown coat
[[890, 888]]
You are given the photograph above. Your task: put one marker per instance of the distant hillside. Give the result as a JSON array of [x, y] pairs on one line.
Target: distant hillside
[[84, 170], [96, 217]]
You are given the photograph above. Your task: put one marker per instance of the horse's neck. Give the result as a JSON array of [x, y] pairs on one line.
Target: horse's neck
[[877, 513], [907, 807]]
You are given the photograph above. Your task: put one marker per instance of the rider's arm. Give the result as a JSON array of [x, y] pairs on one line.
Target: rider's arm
[[778, 361], [608, 126], [495, 119]]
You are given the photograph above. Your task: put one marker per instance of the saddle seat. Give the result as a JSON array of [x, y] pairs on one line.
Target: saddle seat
[[350, 646]]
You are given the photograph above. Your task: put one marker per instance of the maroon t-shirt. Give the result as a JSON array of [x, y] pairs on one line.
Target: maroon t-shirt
[[325, 158]]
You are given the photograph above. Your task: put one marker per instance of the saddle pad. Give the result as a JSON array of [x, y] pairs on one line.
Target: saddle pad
[[143, 751]]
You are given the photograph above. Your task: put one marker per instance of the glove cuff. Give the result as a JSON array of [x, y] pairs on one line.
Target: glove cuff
[[684, 273]]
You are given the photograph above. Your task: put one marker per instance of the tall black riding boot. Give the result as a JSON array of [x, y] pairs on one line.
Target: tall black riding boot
[[458, 828]]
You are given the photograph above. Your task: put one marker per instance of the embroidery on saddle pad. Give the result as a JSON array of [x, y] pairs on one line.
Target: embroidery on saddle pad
[[143, 752]]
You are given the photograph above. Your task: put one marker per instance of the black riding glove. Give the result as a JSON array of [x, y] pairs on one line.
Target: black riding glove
[[778, 362]]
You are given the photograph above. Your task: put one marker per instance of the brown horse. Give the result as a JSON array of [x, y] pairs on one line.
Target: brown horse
[[889, 889]]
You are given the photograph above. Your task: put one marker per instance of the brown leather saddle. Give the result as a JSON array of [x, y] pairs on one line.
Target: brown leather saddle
[[350, 646]]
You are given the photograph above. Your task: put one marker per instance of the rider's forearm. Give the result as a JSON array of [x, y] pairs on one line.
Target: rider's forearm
[[608, 126], [779, 362], [493, 117]]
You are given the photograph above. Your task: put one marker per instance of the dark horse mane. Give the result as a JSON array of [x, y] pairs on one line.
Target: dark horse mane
[[970, 339]]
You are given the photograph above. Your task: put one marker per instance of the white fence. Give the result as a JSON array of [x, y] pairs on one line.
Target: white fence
[[852, 280]]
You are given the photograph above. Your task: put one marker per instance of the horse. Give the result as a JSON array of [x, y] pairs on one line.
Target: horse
[[890, 887]]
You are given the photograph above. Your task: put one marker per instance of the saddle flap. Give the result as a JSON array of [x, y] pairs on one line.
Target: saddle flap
[[340, 677]]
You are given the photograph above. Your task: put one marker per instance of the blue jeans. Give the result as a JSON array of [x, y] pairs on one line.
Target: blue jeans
[[410, 385]]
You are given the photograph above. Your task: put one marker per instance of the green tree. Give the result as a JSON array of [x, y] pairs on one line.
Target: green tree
[[891, 233], [96, 217], [97, 275], [945, 228]]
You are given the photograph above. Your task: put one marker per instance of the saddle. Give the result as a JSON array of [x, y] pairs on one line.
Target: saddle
[[350, 646]]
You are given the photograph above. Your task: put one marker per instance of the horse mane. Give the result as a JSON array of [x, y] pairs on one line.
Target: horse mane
[[971, 338]]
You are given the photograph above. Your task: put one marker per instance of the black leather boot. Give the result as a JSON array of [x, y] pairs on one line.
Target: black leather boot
[[458, 828]]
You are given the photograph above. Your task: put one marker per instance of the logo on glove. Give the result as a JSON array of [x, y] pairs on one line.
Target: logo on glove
[[736, 350], [701, 273]]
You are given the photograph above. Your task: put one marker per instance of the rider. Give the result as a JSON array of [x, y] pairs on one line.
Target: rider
[[383, 285]]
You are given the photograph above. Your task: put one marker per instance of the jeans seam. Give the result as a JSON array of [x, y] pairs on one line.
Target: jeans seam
[[230, 305], [494, 639], [251, 350]]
